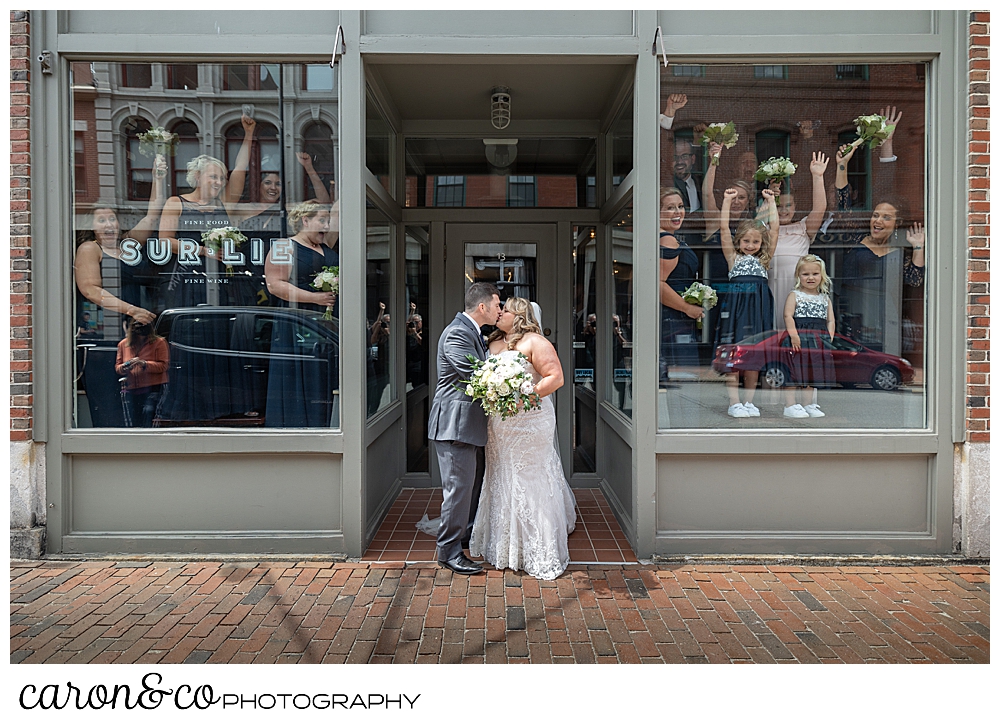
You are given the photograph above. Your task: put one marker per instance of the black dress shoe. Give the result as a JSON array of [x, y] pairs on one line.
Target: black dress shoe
[[462, 565]]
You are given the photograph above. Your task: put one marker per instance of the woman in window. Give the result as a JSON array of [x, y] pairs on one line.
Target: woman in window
[[876, 258], [678, 269], [303, 375], [113, 275], [209, 205], [263, 220]]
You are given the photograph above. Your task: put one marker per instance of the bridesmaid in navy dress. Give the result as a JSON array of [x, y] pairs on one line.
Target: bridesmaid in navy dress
[[678, 269], [300, 385]]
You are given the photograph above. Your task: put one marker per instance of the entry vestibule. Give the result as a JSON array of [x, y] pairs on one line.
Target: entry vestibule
[[529, 222]]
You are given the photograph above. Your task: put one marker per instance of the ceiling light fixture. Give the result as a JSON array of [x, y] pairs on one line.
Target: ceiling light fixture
[[500, 107]]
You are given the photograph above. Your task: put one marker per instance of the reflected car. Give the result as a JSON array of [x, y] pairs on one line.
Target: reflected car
[[221, 358], [770, 353]]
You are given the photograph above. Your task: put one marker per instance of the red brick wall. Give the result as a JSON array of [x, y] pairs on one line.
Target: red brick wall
[[978, 350], [20, 231]]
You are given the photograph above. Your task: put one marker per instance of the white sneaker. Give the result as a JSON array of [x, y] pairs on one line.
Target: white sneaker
[[739, 410], [814, 411], [752, 409], [796, 411]]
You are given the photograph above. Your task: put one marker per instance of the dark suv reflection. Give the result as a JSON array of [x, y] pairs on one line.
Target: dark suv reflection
[[221, 360]]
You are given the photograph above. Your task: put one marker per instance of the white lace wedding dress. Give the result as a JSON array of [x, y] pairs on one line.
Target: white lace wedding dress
[[526, 510]]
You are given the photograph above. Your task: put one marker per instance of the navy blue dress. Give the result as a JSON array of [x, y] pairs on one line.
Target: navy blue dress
[[300, 384], [187, 286], [812, 365], [748, 307], [250, 288], [678, 332]]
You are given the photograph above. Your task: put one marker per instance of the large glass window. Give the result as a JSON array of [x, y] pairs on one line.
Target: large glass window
[[378, 142], [417, 304], [585, 326], [619, 331], [620, 141], [196, 299], [819, 275], [378, 304]]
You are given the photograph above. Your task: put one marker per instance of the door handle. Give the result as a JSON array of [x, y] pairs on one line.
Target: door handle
[[547, 331]]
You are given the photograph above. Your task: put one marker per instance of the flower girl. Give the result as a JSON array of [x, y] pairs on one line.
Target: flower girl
[[808, 309], [748, 307]]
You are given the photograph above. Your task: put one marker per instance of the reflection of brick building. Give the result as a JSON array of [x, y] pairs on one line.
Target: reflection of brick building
[[113, 102], [799, 109]]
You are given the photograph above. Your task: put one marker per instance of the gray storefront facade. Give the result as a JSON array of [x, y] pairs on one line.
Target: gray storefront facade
[[383, 121]]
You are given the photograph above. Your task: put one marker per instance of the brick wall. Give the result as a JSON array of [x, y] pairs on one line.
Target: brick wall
[[20, 231], [978, 350]]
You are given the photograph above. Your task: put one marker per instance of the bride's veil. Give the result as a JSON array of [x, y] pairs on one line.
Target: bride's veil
[[537, 312]]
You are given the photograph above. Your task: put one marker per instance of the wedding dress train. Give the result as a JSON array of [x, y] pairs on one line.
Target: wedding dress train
[[526, 509]]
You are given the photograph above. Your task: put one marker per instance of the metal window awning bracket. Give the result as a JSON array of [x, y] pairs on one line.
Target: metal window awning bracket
[[658, 46], [339, 48]]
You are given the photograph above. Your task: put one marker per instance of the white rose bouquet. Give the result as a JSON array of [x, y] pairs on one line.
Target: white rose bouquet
[[503, 384], [775, 169], [227, 239], [873, 130], [702, 295], [328, 280], [157, 141], [722, 133]]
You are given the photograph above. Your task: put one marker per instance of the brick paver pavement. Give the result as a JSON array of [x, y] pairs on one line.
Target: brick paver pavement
[[310, 612]]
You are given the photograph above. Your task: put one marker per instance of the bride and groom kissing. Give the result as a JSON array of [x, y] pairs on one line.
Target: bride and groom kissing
[[505, 496]]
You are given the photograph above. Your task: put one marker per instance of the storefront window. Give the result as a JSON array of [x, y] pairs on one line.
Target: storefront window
[[378, 142], [621, 141], [819, 275], [620, 329], [195, 303], [380, 371], [585, 326], [417, 351]]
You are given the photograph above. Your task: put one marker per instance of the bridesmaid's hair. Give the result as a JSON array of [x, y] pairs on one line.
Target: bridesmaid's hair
[[198, 164], [305, 210], [666, 191], [524, 321], [825, 285]]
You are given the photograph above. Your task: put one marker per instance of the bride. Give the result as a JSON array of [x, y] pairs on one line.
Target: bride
[[526, 508]]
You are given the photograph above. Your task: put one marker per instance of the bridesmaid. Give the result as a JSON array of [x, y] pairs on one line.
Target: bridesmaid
[[299, 388], [678, 269]]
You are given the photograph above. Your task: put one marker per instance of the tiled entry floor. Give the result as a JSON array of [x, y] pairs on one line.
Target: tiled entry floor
[[597, 539]]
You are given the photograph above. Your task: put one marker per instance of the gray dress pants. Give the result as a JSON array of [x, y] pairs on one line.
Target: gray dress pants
[[462, 468]]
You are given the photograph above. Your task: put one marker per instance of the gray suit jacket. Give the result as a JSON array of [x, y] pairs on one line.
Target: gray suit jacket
[[454, 415]]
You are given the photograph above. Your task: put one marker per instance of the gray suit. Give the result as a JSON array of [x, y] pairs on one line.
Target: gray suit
[[457, 425]]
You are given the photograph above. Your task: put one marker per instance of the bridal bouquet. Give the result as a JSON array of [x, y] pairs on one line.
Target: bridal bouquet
[[328, 280], [774, 169], [722, 133], [503, 384], [702, 295], [227, 239], [157, 141], [874, 130]]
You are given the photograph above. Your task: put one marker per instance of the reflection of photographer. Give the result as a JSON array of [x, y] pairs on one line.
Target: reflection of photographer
[[142, 360]]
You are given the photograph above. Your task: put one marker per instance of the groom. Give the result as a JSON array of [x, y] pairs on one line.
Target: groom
[[457, 425]]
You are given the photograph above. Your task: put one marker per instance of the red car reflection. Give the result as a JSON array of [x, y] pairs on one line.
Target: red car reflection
[[771, 352]]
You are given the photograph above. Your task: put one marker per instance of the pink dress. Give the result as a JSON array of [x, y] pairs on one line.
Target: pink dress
[[793, 244]]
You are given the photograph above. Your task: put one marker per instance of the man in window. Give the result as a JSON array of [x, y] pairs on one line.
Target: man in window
[[683, 165]]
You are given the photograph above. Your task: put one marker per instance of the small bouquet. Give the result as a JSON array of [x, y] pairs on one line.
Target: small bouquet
[[874, 130], [216, 241], [328, 280], [702, 295], [775, 169], [157, 142], [503, 385], [722, 133]]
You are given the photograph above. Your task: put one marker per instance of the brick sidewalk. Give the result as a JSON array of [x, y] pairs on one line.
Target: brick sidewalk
[[310, 612]]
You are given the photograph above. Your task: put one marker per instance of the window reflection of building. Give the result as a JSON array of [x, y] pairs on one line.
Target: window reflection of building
[[182, 76], [138, 168]]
